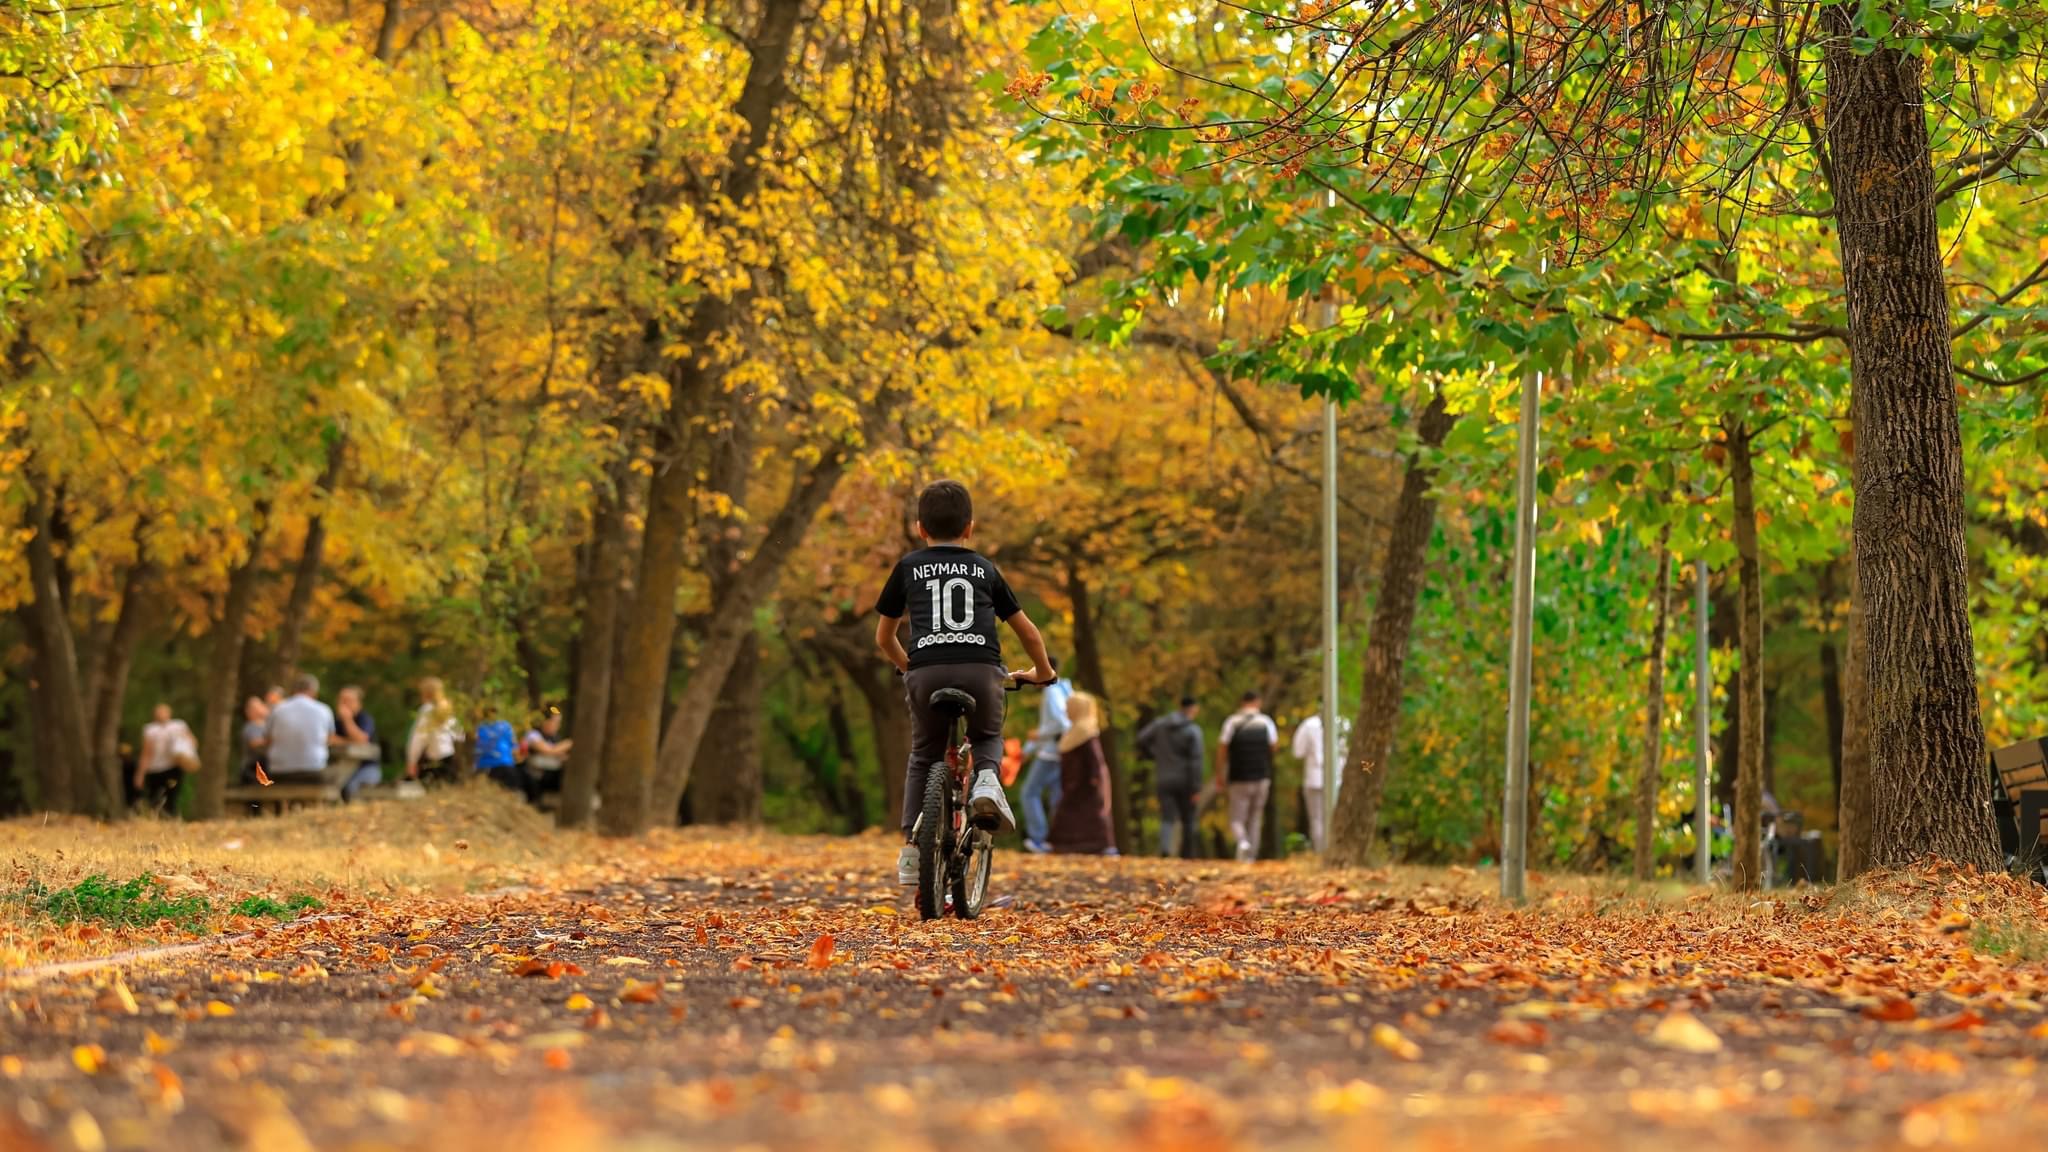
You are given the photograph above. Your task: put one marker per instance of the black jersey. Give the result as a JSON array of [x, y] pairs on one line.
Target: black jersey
[[954, 598]]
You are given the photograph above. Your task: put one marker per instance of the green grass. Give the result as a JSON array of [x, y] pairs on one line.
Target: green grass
[[265, 906], [143, 902], [2011, 940], [138, 903]]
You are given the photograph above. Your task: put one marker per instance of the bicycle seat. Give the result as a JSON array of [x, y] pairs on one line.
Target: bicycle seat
[[953, 700]]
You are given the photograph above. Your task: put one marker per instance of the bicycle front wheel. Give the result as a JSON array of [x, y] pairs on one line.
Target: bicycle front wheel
[[970, 887], [931, 838]]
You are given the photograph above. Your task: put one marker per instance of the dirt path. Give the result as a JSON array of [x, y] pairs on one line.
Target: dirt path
[[776, 995]]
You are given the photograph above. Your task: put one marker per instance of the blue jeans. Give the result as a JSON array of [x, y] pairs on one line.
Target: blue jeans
[[1041, 796]]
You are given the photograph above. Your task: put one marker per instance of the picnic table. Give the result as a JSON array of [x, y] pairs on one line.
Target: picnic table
[[2019, 779], [299, 790]]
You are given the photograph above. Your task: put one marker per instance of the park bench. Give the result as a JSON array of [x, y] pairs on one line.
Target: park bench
[[303, 789], [2019, 781]]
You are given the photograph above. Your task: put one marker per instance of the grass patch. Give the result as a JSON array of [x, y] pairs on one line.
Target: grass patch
[[2010, 939], [138, 903], [265, 906]]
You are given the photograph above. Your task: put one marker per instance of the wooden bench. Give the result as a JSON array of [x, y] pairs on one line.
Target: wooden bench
[[2021, 773], [299, 790]]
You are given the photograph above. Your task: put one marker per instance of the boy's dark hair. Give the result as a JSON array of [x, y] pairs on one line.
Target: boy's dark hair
[[1188, 702], [1251, 697], [945, 509]]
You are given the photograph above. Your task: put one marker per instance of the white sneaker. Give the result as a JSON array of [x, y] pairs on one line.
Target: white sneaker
[[1245, 852], [989, 803], [906, 866]]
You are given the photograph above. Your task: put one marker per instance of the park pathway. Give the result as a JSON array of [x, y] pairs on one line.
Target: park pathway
[[778, 996]]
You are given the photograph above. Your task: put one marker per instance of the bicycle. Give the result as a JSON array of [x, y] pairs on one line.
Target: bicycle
[[952, 852]]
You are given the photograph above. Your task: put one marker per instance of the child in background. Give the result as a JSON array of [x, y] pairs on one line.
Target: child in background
[[496, 754]]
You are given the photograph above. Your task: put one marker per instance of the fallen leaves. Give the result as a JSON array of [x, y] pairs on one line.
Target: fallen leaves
[[1517, 1033], [1683, 1032], [821, 952], [1892, 1010], [1390, 1040]]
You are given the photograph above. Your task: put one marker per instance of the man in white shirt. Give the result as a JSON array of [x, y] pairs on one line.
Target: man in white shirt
[[301, 730], [1244, 758], [1308, 748]]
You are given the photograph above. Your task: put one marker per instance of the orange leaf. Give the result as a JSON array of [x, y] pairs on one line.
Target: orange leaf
[[1963, 1021], [262, 777], [1519, 1033], [1896, 1010], [821, 952], [636, 992]]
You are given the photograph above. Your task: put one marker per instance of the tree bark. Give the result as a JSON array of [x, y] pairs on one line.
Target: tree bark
[[223, 679], [733, 627], [1749, 779], [728, 791], [1929, 788], [116, 662], [92, 791], [306, 576], [1853, 820], [1649, 784], [888, 721], [853, 803], [54, 774], [636, 740], [1831, 678], [594, 655], [1371, 752]]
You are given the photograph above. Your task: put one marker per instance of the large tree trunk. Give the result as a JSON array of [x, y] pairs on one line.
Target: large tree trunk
[[591, 700], [732, 627], [307, 576], [222, 681], [853, 803], [888, 721], [1088, 673], [728, 790], [54, 774], [1749, 779], [1648, 785], [116, 661], [1929, 788], [1853, 819], [1371, 752], [636, 739], [92, 791], [1831, 678]]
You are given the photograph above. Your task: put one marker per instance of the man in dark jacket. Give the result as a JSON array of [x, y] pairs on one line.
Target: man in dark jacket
[[1174, 743]]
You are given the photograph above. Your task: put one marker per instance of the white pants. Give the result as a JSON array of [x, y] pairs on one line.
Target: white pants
[[1313, 797], [1248, 815]]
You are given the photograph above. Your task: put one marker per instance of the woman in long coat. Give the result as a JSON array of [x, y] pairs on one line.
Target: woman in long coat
[[1082, 823]]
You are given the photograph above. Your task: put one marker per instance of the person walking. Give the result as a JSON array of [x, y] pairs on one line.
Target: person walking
[[1081, 823], [169, 751], [430, 749], [1041, 793], [1244, 766], [1173, 741], [1308, 748]]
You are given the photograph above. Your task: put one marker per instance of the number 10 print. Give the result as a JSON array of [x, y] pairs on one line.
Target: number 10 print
[[942, 604]]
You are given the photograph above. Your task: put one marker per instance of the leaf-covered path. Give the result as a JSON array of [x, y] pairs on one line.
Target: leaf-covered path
[[773, 992]]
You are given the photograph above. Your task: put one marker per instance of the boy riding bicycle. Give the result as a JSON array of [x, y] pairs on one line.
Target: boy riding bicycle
[[954, 597]]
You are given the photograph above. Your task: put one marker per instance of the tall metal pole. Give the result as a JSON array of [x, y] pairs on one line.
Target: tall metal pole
[[1331, 763], [1514, 822], [1703, 698]]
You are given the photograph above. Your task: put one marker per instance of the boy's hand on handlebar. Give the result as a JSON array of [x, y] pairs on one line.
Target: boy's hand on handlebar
[[1034, 676]]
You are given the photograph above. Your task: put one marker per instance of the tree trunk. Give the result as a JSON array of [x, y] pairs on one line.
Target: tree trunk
[[594, 654], [307, 576], [92, 791], [636, 740], [1929, 788], [1371, 752], [1648, 786], [222, 681], [853, 803], [733, 627], [115, 664], [54, 774], [889, 720], [728, 791], [1853, 820], [1831, 680], [1749, 779], [1088, 672]]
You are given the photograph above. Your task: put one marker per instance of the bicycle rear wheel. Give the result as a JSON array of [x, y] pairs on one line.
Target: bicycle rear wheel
[[932, 826], [970, 886]]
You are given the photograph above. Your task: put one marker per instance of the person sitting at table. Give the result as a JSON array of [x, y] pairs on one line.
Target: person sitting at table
[[358, 727], [545, 748]]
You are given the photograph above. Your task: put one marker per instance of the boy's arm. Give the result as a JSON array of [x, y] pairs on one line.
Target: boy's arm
[[1034, 647], [890, 645]]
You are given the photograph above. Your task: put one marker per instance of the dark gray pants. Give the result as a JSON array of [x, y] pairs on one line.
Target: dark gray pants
[[928, 726]]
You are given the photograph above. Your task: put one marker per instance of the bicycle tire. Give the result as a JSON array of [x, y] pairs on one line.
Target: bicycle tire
[[931, 838], [970, 886]]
